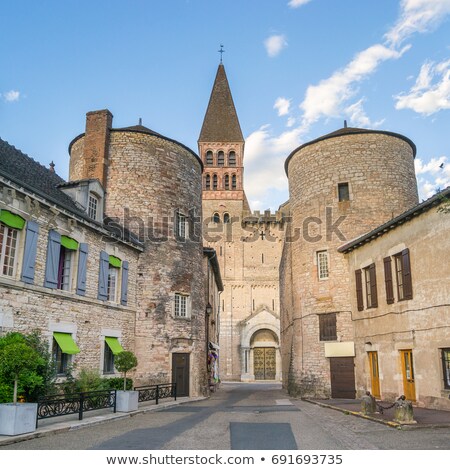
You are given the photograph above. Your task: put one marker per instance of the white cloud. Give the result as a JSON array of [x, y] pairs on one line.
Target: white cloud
[[298, 3], [430, 175], [326, 98], [275, 44], [11, 96], [428, 95], [358, 117], [417, 16], [265, 155], [282, 106]]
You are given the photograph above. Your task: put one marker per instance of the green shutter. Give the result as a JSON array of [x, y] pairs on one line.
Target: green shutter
[[114, 261], [69, 243], [66, 343], [113, 344], [12, 220]]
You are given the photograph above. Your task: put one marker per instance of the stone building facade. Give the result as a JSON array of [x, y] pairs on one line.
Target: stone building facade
[[133, 199], [341, 185], [62, 273], [401, 320], [248, 247]]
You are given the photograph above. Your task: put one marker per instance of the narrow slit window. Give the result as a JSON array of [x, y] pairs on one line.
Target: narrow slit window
[[343, 192]]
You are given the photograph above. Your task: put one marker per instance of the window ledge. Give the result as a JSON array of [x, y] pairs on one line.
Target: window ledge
[[70, 296]]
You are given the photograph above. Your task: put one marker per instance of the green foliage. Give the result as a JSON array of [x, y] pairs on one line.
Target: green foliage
[[124, 362], [20, 365], [88, 380], [116, 383]]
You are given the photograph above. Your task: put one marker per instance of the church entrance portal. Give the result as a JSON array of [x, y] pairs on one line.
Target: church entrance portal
[[264, 363]]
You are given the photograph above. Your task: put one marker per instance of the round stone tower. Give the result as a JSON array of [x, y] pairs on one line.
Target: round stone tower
[[341, 185], [153, 189]]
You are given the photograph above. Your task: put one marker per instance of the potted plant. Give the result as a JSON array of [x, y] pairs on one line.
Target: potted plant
[[18, 363], [127, 400]]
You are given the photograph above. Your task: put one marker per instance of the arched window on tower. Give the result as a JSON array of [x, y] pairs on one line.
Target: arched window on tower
[[226, 218], [232, 158], [220, 158], [233, 182], [216, 218], [207, 181], [214, 182], [227, 181], [209, 158]]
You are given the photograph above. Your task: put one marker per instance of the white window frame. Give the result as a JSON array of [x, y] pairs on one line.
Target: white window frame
[[12, 266], [182, 306], [113, 283], [67, 279], [323, 268], [93, 205], [182, 232]]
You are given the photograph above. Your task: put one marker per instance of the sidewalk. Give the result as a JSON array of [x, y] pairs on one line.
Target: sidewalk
[[91, 418], [425, 417]]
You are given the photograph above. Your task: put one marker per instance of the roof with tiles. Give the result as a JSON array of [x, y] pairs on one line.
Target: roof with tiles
[[221, 123], [41, 181]]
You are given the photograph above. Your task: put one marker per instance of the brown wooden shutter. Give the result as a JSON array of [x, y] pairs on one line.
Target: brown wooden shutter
[[407, 281], [359, 291], [388, 280], [373, 285]]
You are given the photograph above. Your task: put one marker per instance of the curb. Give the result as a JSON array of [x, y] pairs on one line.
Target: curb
[[94, 421], [392, 424]]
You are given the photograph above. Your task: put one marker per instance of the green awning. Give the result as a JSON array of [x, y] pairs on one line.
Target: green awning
[[12, 220], [114, 261], [69, 243], [113, 344], [66, 343]]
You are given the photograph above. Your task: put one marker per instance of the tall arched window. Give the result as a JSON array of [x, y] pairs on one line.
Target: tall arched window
[[233, 182], [214, 182], [220, 158], [232, 158], [209, 158], [226, 218], [207, 181], [227, 181], [216, 218]]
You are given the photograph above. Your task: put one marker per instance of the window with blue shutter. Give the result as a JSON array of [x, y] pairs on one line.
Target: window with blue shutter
[[124, 290], [103, 276], [82, 269], [52, 265], [29, 255]]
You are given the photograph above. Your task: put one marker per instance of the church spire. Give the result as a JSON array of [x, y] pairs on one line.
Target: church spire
[[221, 123]]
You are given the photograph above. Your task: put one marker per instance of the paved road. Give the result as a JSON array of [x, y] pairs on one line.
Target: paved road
[[242, 416]]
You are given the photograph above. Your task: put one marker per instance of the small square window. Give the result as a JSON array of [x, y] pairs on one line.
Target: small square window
[[327, 327], [322, 264], [182, 305], [343, 192]]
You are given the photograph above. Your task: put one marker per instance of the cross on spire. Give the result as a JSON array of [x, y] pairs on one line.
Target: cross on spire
[[221, 51]]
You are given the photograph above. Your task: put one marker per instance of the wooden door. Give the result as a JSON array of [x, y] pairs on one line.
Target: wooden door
[[264, 363], [180, 373], [342, 377], [409, 387], [374, 373]]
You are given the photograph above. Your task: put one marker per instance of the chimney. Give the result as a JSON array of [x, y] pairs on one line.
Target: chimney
[[96, 145], [52, 167]]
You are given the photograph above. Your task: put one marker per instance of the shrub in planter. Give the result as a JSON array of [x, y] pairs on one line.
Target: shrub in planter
[[117, 383], [126, 400]]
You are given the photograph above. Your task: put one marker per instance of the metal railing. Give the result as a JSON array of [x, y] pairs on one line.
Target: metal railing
[[76, 403], [156, 392]]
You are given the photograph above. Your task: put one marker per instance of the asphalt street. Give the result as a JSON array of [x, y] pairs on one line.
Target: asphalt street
[[241, 416]]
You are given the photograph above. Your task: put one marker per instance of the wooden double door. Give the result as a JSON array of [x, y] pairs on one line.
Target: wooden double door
[[264, 363]]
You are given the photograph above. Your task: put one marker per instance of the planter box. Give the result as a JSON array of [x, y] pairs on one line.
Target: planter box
[[127, 401], [17, 419]]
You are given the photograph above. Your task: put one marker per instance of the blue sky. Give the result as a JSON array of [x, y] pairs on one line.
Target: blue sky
[[297, 69]]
